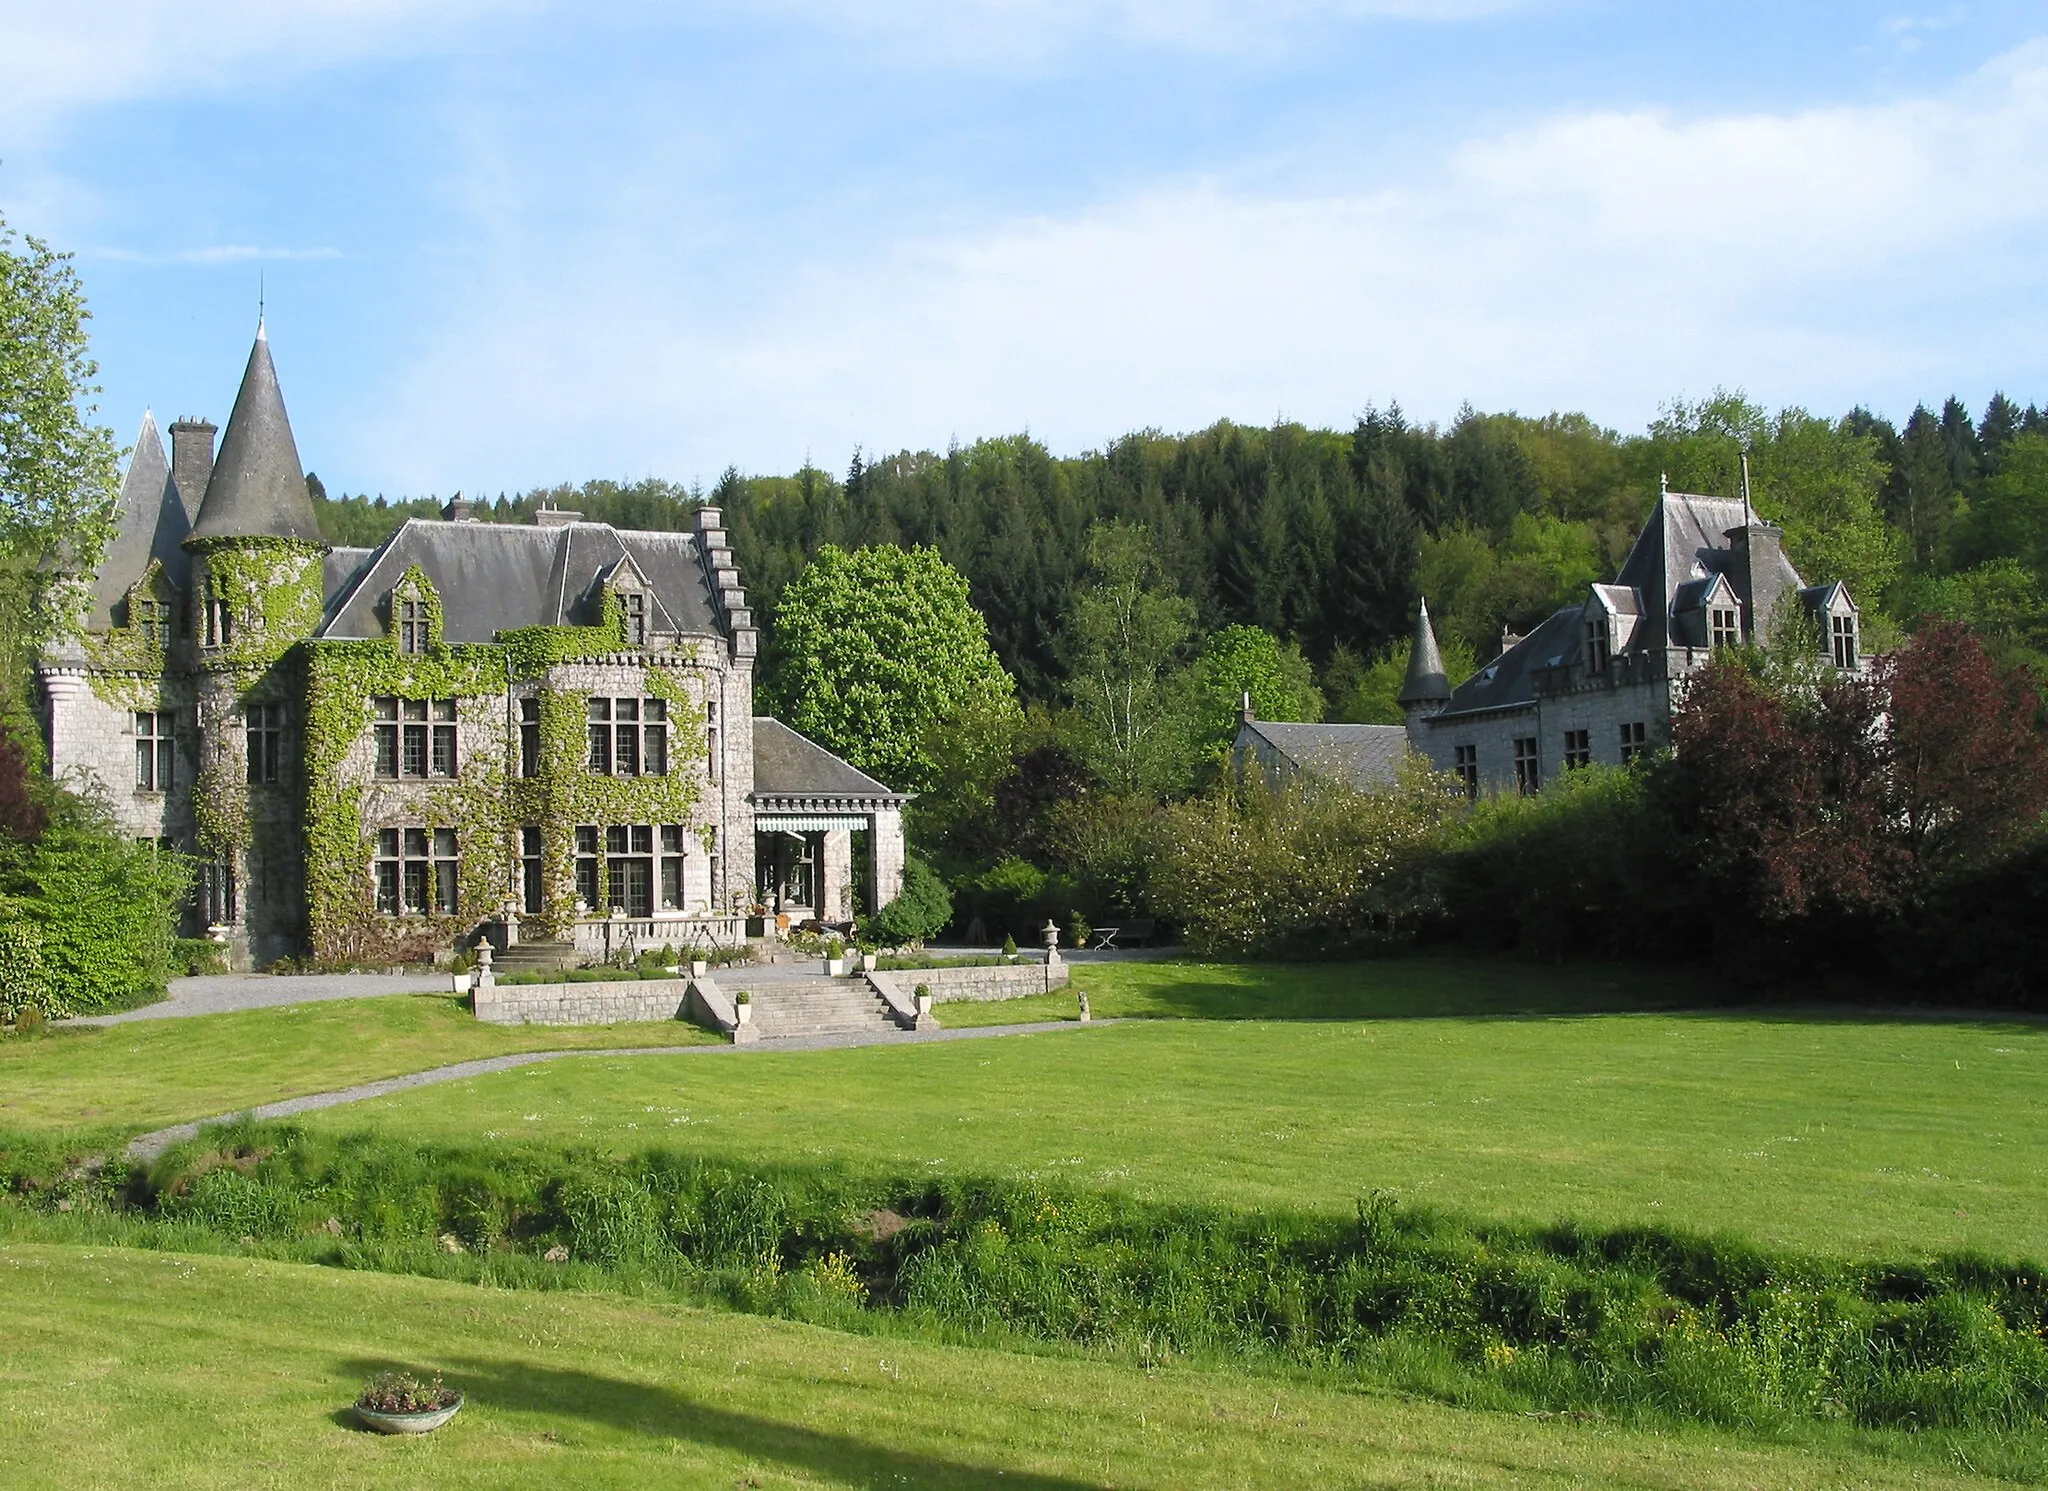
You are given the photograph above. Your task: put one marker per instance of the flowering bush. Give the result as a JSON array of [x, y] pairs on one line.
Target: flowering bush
[[401, 1392], [1312, 868]]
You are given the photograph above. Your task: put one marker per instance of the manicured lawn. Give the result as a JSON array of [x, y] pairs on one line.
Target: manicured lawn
[[1851, 1136], [129, 1369], [1428, 985], [120, 1079]]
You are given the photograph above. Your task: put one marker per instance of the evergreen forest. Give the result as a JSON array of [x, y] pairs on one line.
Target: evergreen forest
[[1327, 539]]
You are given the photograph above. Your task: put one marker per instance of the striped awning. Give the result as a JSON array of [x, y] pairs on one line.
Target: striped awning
[[808, 823]]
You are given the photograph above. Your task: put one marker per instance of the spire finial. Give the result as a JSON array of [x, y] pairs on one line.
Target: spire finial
[[1663, 484], [259, 303]]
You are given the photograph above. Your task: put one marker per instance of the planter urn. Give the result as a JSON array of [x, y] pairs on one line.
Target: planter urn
[[409, 1423], [835, 967]]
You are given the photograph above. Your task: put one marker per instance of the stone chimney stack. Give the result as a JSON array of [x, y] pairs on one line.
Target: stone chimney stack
[[458, 509], [1757, 571], [191, 461]]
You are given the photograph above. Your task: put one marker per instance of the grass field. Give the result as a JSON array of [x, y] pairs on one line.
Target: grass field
[[132, 1369], [1841, 1135], [120, 1079]]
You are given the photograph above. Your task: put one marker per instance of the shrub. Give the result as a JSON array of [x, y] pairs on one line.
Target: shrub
[[1312, 868], [920, 912]]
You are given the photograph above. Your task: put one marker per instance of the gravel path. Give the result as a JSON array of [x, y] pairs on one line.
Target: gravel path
[[149, 1146], [221, 994]]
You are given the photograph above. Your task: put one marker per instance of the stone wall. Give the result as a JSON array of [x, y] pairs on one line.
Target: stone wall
[[1013, 981], [1601, 713], [583, 1004]]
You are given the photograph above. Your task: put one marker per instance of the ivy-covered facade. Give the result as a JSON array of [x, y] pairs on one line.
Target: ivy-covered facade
[[539, 731]]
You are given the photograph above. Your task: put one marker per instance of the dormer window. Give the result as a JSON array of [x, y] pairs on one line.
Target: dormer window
[[151, 620], [1724, 627], [1844, 639], [1596, 648], [412, 626], [635, 607]]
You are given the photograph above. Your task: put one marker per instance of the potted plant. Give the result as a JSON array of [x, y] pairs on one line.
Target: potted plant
[[743, 1006], [835, 957], [400, 1403]]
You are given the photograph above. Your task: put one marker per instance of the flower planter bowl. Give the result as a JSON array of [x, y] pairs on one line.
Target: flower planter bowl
[[835, 967], [409, 1423]]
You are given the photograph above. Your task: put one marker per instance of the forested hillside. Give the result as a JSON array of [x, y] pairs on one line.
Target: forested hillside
[[1327, 538]]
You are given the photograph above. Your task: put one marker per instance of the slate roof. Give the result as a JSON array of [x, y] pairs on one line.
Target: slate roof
[[258, 487], [1357, 756], [1425, 683], [1687, 539], [787, 764], [495, 577], [1677, 561], [149, 523], [1509, 680]]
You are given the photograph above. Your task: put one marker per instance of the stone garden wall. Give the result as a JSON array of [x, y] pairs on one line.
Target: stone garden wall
[[1013, 981], [583, 1004]]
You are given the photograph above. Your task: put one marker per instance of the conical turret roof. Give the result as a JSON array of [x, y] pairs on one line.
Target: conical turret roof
[[1425, 683], [149, 524], [258, 488]]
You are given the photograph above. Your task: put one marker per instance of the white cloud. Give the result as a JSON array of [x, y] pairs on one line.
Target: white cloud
[[1604, 261], [60, 55], [223, 253]]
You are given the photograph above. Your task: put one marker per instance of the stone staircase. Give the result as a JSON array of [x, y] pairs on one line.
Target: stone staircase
[[536, 957], [814, 1005]]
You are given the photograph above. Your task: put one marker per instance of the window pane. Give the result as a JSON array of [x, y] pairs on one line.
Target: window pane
[[628, 709], [444, 887], [529, 711], [416, 885], [586, 841], [600, 748], [145, 724], [629, 750], [386, 708], [616, 839], [444, 750], [654, 709], [163, 766], [416, 843], [415, 709], [387, 887], [415, 750], [600, 710], [671, 838], [444, 709], [656, 763], [387, 843], [145, 766], [444, 843], [529, 842], [387, 750], [586, 881], [671, 884], [643, 839]]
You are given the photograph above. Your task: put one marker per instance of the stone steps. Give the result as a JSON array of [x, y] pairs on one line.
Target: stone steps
[[817, 1007], [537, 957]]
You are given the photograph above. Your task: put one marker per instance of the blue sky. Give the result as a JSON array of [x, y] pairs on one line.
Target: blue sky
[[508, 244]]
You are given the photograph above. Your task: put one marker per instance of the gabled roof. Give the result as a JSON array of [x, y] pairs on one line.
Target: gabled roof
[[495, 577], [1619, 600], [149, 523], [792, 766], [1686, 539], [1358, 756], [258, 487]]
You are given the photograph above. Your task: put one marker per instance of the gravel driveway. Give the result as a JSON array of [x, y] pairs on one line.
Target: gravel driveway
[[220, 994]]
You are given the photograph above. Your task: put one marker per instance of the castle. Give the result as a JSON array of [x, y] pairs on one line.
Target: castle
[[1596, 681], [544, 731]]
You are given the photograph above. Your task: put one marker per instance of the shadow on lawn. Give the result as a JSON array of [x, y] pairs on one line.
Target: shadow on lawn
[[642, 1409]]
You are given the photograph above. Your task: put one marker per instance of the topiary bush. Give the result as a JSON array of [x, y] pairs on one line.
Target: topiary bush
[[919, 913]]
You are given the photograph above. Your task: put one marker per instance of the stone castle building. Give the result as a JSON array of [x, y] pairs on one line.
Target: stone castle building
[[377, 754], [1597, 681]]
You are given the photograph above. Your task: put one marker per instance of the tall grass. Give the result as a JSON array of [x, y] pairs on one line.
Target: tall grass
[[1627, 1320]]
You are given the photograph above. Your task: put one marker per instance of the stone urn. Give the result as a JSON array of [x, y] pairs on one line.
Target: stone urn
[[409, 1423]]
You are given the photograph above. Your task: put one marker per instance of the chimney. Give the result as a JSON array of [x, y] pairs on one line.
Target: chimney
[[1244, 713], [458, 509], [555, 517], [1757, 571], [191, 461]]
